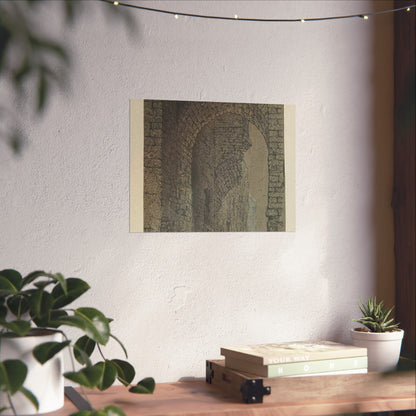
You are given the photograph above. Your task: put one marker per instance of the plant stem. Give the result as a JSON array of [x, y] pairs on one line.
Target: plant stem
[[11, 404], [73, 369], [101, 353]]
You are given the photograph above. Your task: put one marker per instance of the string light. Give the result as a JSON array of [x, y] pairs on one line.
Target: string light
[[249, 19]]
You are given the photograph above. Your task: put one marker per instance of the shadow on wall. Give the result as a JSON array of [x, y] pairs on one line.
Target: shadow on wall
[[382, 145]]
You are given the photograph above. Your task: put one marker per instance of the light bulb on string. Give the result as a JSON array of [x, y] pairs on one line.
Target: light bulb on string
[[249, 19]]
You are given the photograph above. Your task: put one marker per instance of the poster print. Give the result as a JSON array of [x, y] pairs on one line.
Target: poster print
[[211, 166]]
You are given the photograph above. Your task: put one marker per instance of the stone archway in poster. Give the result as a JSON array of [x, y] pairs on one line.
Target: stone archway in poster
[[208, 166]]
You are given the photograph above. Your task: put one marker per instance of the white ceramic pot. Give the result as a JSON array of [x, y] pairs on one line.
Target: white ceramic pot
[[383, 348], [44, 381]]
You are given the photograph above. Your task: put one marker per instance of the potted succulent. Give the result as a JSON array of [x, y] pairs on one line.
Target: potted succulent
[[380, 335], [34, 310]]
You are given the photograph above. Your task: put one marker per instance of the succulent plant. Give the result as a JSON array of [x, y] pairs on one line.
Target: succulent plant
[[375, 318]]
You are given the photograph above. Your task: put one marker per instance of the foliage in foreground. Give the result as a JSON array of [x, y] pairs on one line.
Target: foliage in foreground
[[41, 300]]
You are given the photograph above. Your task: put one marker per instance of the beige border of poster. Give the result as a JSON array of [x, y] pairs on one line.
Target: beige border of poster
[[137, 165], [290, 171]]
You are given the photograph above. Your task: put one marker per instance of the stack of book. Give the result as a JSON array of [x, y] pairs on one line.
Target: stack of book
[[296, 359]]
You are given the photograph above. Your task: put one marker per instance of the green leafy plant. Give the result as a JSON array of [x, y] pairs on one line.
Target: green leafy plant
[[375, 317], [41, 300], [31, 59]]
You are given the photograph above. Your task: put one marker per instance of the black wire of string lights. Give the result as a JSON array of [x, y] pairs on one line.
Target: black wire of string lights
[[364, 16]]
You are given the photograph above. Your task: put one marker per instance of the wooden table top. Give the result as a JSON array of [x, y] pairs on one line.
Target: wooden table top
[[198, 398]]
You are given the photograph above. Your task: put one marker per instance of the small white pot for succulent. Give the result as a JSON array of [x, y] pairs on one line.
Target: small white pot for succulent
[[44, 381], [383, 348]]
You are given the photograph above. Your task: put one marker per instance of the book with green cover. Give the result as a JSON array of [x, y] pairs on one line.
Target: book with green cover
[[292, 352], [299, 368]]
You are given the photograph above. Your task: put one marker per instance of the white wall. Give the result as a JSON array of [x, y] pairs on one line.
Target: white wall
[[177, 298]]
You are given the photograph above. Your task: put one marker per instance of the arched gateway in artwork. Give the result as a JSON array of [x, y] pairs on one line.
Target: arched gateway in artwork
[[213, 166]]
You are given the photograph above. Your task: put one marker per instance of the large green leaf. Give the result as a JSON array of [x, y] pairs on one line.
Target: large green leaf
[[83, 349], [18, 327], [92, 322], [40, 304], [98, 328], [13, 276], [145, 386], [53, 277], [125, 371], [75, 321], [55, 315], [88, 376], [12, 375], [7, 287], [108, 374], [18, 305], [62, 281], [45, 351], [75, 288], [29, 395]]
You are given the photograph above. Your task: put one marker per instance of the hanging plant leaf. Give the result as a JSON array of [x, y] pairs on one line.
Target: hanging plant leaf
[[54, 317], [18, 327], [125, 371], [7, 287], [61, 280], [13, 276], [12, 375], [75, 321], [88, 376], [18, 305], [98, 328], [45, 351], [83, 349], [30, 396], [108, 374], [75, 288], [91, 321], [145, 386], [40, 304]]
